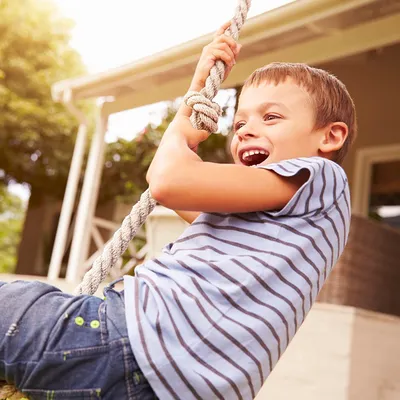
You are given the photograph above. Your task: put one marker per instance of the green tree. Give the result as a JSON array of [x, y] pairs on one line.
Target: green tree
[[36, 134], [12, 214]]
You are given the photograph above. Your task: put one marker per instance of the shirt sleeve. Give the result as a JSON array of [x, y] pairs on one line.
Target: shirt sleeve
[[326, 183]]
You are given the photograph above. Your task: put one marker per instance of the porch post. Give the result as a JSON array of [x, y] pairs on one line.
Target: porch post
[[88, 200], [70, 193]]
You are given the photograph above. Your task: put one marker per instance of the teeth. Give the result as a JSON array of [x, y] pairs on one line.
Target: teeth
[[249, 153]]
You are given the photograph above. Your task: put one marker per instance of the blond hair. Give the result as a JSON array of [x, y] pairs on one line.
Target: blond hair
[[331, 99]]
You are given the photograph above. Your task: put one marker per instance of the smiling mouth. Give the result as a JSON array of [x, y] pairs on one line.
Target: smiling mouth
[[253, 157]]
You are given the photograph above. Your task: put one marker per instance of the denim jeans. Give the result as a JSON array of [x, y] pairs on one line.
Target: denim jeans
[[57, 346]]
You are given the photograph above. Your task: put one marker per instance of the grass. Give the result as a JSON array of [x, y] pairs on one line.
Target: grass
[[10, 392]]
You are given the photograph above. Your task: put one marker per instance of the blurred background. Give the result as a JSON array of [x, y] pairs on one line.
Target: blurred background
[[87, 89]]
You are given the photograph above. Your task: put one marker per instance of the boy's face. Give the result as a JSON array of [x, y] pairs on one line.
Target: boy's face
[[274, 123]]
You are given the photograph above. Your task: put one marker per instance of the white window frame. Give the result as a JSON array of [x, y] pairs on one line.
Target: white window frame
[[364, 162]]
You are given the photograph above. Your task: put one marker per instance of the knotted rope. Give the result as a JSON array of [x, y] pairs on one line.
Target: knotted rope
[[204, 117]]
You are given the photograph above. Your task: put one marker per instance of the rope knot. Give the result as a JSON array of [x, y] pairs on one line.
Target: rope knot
[[205, 111]]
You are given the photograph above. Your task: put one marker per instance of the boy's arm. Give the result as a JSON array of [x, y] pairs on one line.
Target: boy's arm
[[180, 180], [221, 48], [188, 216]]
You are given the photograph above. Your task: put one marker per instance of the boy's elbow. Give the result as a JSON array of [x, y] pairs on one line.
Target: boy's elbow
[[166, 191], [157, 191], [160, 189], [167, 187]]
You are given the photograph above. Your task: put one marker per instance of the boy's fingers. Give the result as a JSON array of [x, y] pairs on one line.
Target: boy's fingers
[[184, 110], [193, 136], [230, 42], [223, 55], [223, 28], [226, 49]]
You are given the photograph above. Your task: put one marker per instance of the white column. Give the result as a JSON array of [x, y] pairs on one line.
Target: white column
[[88, 200], [68, 203]]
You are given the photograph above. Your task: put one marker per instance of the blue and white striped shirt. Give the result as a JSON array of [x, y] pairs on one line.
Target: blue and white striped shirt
[[211, 316]]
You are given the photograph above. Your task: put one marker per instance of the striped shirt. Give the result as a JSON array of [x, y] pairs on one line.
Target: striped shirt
[[210, 317]]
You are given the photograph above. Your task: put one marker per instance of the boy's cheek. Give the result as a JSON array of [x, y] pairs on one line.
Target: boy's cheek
[[235, 159], [233, 148]]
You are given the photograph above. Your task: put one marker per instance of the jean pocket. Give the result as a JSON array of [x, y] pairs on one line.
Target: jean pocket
[[57, 375], [84, 394]]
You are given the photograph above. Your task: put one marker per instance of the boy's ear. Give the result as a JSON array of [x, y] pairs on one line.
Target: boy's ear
[[334, 137]]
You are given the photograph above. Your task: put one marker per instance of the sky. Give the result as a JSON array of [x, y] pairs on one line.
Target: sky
[[110, 33]]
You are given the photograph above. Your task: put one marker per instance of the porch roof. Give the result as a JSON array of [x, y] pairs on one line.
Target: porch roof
[[303, 31]]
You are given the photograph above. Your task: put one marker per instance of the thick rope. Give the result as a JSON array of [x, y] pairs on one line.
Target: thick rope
[[116, 247], [204, 117]]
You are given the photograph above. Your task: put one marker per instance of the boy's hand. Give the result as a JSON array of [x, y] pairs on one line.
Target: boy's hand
[[223, 48], [176, 144], [182, 127]]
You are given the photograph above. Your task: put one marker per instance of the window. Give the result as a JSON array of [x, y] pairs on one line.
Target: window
[[376, 184], [384, 195]]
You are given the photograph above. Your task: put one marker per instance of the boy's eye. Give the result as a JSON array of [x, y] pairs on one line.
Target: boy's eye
[[270, 117], [239, 125]]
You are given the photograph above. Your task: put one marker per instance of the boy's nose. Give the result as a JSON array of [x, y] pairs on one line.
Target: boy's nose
[[245, 134]]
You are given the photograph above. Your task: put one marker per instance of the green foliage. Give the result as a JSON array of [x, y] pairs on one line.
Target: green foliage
[[12, 214], [36, 134], [127, 161]]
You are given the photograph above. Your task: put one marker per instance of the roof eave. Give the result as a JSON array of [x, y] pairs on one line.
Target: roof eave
[[267, 24]]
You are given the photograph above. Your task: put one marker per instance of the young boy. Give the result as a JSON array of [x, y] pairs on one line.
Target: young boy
[[211, 316]]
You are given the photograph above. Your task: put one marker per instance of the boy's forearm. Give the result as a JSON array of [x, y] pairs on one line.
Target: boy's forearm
[[170, 155], [171, 142], [166, 166], [170, 148]]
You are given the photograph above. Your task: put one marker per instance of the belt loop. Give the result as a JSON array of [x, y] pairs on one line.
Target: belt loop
[[111, 285]]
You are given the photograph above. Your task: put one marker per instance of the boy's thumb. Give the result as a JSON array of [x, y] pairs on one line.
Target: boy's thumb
[[198, 134], [203, 135]]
